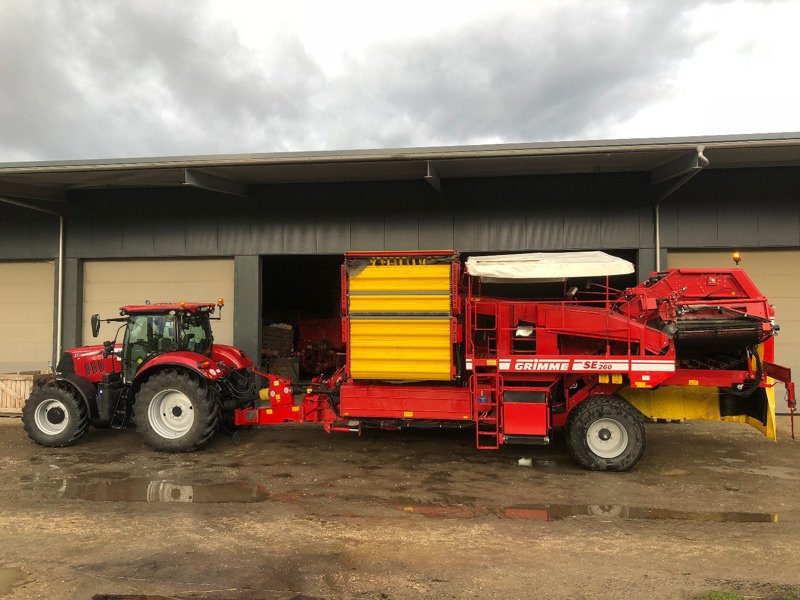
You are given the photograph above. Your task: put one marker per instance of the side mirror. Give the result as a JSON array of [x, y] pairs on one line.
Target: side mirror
[[95, 325]]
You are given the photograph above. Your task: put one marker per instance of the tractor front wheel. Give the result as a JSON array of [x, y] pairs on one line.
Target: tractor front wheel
[[175, 412], [605, 433], [54, 416]]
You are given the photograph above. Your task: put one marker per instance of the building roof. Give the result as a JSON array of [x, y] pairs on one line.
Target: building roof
[[662, 158]]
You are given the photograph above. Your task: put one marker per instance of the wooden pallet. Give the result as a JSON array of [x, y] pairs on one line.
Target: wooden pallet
[[14, 390]]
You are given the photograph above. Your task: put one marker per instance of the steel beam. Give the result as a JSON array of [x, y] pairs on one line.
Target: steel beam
[[688, 163], [681, 169], [29, 206], [432, 177], [214, 183], [31, 192]]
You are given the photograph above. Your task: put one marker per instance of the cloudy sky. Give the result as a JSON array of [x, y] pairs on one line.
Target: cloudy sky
[[117, 78]]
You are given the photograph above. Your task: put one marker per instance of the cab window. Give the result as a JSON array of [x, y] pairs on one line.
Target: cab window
[[148, 335]]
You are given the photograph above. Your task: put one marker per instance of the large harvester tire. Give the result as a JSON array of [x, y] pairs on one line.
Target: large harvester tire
[[605, 433], [175, 412], [54, 416]]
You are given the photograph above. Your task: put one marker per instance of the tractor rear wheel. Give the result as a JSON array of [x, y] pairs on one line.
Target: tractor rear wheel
[[54, 416], [605, 433], [175, 412]]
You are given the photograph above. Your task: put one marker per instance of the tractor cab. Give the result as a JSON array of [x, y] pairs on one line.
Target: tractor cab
[[151, 330], [158, 329]]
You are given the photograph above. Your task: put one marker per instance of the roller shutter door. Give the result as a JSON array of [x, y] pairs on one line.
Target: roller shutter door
[[109, 284], [26, 315], [777, 275]]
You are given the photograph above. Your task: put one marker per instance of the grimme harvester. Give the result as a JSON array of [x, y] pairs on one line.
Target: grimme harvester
[[425, 346]]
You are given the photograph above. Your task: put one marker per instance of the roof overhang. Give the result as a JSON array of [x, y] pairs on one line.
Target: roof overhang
[[49, 183]]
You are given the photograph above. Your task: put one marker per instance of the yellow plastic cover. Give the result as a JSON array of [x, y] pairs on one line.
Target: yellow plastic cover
[[399, 322], [415, 349], [694, 403], [401, 278]]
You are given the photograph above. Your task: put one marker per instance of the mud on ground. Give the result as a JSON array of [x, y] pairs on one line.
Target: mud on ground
[[292, 512]]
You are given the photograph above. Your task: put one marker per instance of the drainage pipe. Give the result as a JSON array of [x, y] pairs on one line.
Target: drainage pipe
[[702, 163]]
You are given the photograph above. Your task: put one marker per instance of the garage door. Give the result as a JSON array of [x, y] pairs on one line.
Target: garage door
[[109, 284], [777, 275], [26, 315]]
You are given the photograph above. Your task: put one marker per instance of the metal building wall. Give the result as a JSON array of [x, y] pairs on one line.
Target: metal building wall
[[722, 208], [553, 212], [734, 207], [748, 208]]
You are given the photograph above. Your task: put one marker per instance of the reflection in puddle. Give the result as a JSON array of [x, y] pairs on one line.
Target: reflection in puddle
[[145, 490], [673, 472], [556, 512], [8, 578]]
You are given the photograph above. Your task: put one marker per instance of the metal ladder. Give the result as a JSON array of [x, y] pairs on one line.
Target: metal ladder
[[487, 394]]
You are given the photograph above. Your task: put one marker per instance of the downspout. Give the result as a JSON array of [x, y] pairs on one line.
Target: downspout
[[702, 163], [60, 284]]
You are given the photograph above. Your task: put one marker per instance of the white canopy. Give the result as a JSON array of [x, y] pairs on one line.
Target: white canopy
[[547, 266]]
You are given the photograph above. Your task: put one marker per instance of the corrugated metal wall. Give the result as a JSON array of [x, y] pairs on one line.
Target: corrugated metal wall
[[478, 214], [742, 207]]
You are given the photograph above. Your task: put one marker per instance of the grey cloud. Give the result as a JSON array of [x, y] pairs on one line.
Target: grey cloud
[[114, 78], [524, 79]]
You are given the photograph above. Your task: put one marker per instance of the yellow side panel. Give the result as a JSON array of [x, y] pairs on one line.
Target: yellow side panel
[[694, 403], [416, 349], [399, 303], [401, 278]]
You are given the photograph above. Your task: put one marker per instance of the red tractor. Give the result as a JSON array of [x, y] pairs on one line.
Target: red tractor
[[167, 375]]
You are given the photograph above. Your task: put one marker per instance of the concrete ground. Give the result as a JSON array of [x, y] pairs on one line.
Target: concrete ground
[[292, 512]]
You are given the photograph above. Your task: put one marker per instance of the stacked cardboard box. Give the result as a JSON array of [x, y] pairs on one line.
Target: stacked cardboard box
[[277, 339]]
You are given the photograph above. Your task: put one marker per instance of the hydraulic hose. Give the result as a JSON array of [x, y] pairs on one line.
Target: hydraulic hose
[[748, 391]]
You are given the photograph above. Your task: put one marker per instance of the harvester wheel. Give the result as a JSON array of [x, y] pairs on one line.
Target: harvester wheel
[[54, 416], [605, 433], [175, 412]]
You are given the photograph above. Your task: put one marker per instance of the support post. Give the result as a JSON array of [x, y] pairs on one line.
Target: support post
[[247, 295], [72, 323], [647, 262]]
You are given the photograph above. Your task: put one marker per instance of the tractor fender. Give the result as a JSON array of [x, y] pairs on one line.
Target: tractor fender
[[231, 356], [186, 360], [84, 388]]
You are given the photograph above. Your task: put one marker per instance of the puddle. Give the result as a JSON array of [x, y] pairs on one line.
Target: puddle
[[673, 472], [145, 490], [786, 473], [9, 577], [557, 512]]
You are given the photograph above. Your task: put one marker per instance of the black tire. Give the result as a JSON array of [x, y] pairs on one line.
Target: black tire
[[175, 411], [613, 417], [54, 416]]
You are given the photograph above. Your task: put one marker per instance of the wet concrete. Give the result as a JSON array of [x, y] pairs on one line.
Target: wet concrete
[[294, 512]]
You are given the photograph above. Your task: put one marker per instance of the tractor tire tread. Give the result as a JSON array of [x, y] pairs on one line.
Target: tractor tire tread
[[206, 420], [617, 408], [75, 407]]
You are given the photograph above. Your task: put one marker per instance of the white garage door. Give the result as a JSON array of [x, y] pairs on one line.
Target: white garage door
[[109, 284], [777, 275], [26, 315]]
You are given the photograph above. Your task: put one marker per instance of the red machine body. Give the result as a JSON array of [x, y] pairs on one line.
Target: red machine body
[[521, 366]]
